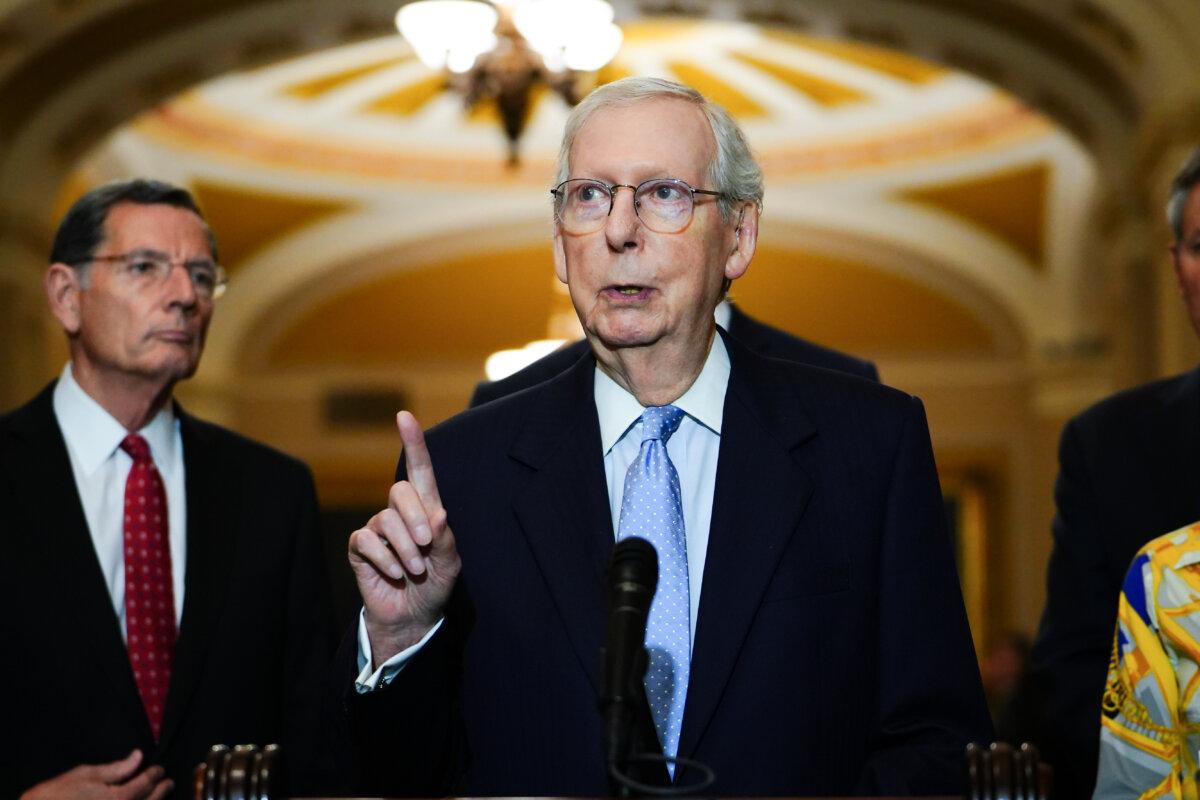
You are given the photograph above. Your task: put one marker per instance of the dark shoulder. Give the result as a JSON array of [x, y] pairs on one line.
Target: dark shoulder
[[31, 416], [494, 420], [775, 343], [828, 358], [29, 430], [849, 406], [1133, 411], [539, 371], [534, 420], [237, 452]]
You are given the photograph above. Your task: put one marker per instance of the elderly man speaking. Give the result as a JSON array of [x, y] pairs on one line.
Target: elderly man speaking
[[807, 636]]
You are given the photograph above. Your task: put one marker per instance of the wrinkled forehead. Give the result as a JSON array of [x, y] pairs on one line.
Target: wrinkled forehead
[[157, 226], [656, 137]]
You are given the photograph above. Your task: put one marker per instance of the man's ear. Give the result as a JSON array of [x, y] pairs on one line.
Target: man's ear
[[560, 254], [745, 240], [63, 287]]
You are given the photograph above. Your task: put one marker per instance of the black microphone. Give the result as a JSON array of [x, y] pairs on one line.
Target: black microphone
[[632, 579]]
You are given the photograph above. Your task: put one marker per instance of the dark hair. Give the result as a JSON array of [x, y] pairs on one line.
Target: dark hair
[[1185, 180], [82, 229]]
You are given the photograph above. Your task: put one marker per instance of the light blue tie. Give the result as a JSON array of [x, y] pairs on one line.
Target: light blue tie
[[651, 508]]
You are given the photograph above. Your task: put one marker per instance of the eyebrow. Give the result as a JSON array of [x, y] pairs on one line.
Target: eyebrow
[[150, 252]]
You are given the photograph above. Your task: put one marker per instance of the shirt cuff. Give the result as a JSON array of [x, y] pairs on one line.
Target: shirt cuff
[[370, 681]]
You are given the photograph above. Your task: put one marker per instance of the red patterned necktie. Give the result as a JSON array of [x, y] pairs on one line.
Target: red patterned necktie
[[149, 592]]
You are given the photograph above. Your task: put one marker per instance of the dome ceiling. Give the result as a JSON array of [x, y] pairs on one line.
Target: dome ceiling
[[330, 173], [810, 106]]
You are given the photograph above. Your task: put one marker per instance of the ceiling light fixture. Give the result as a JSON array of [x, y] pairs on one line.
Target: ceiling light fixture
[[499, 50]]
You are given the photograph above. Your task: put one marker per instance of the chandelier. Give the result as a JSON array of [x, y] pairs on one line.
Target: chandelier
[[500, 50]]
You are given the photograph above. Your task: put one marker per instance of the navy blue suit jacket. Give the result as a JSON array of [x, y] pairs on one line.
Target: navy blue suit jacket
[[758, 336], [832, 654]]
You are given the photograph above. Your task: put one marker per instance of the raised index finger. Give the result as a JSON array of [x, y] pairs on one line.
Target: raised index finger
[[417, 462]]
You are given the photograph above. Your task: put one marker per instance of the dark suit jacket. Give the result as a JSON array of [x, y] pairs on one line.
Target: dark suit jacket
[[758, 336], [1128, 471], [253, 643], [832, 654]]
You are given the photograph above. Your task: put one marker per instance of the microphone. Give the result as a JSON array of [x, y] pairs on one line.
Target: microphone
[[632, 579]]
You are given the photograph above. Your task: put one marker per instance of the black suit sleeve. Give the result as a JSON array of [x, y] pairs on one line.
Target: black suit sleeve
[[407, 738], [545, 368], [309, 754], [923, 725], [1070, 657]]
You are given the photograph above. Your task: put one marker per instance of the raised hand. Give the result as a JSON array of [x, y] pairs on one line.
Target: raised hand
[[404, 559], [117, 780]]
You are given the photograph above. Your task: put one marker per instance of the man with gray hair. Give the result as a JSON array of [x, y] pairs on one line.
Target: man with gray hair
[[1128, 472], [807, 635]]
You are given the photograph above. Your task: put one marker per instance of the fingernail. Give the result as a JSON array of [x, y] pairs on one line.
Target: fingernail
[[396, 572]]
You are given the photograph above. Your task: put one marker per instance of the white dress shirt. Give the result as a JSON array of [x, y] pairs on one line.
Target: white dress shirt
[[101, 467], [693, 450]]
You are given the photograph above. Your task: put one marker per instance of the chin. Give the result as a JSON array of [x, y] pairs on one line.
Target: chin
[[614, 339], [626, 330], [172, 370]]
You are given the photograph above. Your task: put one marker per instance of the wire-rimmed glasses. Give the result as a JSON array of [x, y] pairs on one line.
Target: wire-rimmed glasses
[[152, 268], [664, 205]]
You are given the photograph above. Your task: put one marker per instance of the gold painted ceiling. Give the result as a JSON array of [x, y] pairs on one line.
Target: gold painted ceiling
[[347, 182]]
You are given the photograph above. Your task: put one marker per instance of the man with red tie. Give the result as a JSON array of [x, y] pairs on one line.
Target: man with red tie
[[164, 588]]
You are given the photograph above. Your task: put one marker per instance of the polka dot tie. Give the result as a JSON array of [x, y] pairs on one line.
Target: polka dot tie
[[149, 593], [651, 508]]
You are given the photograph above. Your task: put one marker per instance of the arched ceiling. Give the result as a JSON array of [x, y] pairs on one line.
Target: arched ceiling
[[1114, 74], [325, 171], [415, 316]]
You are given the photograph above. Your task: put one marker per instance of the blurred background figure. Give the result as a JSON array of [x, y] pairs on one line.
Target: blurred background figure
[[1002, 668], [1128, 467]]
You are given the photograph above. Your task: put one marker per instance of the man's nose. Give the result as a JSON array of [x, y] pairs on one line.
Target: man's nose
[[179, 287], [623, 226]]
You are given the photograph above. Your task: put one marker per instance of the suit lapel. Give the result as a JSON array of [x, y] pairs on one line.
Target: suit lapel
[[65, 541], [760, 496], [563, 509], [213, 502]]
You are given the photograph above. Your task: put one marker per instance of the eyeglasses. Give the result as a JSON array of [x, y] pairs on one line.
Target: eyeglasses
[[664, 205], [150, 268]]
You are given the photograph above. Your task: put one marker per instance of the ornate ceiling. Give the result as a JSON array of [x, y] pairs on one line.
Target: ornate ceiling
[[345, 185]]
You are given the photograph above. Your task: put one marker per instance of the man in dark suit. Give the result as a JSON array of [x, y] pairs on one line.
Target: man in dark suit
[[807, 636], [758, 336], [135, 638], [1128, 471]]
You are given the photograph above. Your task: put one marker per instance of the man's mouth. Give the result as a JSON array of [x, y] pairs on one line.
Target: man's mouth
[[628, 292], [176, 336]]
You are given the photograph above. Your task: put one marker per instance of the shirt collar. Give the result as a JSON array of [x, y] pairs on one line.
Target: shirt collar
[[94, 435], [704, 401], [723, 314]]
